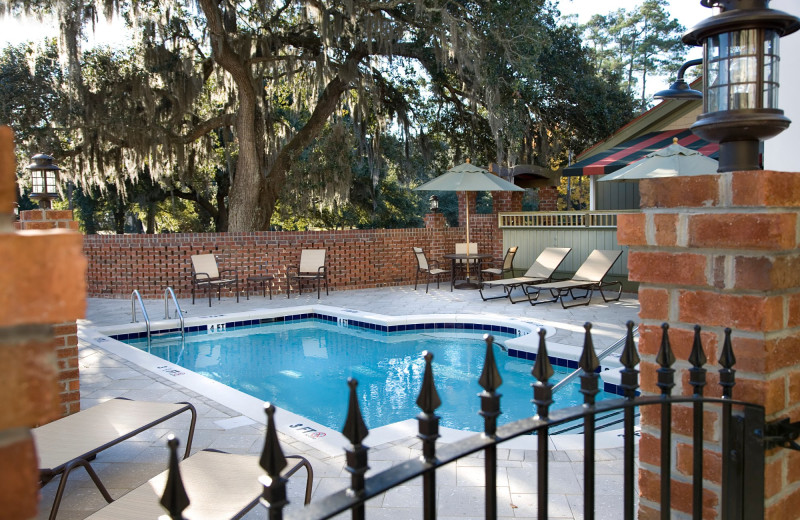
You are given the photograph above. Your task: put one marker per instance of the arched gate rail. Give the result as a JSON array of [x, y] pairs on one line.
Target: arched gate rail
[[744, 438]]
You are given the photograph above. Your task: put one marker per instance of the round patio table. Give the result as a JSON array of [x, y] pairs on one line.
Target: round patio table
[[464, 256]]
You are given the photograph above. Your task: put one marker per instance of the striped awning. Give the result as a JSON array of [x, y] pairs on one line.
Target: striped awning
[[623, 154]]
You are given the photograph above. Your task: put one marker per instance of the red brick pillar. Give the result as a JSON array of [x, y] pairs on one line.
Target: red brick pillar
[[435, 220], [66, 334], [506, 201], [472, 197], [720, 251], [43, 282], [548, 198]]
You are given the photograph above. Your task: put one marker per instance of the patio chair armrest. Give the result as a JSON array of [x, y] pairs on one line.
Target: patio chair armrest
[[204, 276], [433, 263], [235, 274], [321, 270]]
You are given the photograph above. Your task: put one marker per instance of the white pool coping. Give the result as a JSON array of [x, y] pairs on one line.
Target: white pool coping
[[327, 440]]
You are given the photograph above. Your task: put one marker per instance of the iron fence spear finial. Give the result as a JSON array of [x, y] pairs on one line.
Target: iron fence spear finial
[[356, 456], [174, 499], [727, 374], [588, 362], [428, 399], [490, 379], [273, 461], [697, 357], [354, 428], [542, 369], [542, 398], [629, 357]]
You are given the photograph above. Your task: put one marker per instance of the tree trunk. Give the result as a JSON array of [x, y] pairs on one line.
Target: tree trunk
[[150, 222], [254, 190]]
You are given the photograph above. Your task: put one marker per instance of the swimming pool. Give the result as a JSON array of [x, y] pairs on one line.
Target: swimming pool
[[302, 365]]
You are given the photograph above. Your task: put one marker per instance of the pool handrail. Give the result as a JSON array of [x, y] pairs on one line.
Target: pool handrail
[[144, 312], [604, 354], [169, 292]]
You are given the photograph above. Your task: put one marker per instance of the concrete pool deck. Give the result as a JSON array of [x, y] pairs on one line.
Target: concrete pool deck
[[460, 486]]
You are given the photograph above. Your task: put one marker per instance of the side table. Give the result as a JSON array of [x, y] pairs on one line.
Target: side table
[[261, 279]]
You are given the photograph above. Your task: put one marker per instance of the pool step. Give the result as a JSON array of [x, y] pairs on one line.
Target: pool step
[[609, 421]]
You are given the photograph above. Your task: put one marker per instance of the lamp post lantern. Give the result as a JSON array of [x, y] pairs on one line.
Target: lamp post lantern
[[44, 179], [434, 202], [740, 78]]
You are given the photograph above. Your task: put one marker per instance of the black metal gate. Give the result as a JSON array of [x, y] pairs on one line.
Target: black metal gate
[[744, 438]]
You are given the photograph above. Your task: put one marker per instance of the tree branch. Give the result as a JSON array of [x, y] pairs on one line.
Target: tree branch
[[207, 126]]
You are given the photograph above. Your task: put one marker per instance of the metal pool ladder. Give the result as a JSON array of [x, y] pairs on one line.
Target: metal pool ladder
[[144, 313], [604, 354], [169, 292]]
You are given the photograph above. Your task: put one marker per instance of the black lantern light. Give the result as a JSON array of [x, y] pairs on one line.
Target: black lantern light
[[740, 78], [434, 202], [44, 179], [680, 89]]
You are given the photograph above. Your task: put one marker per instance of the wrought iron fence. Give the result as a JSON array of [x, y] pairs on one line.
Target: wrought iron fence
[[743, 439]]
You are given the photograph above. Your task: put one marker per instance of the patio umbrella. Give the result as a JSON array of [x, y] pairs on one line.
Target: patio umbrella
[[468, 177], [673, 161]]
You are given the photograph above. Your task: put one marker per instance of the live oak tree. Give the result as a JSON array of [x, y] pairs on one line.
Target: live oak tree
[[256, 82]]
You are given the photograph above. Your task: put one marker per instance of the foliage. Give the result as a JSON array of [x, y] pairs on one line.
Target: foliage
[[637, 44], [573, 193], [305, 115], [261, 81]]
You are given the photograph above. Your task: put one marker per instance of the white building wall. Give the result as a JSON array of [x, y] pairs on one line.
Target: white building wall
[[781, 152]]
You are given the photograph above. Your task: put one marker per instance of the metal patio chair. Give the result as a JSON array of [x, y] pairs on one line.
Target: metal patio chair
[[429, 269], [312, 268], [506, 267], [541, 271], [588, 277], [206, 273], [461, 265]]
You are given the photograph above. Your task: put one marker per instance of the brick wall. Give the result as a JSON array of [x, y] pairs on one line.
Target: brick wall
[[65, 341], [720, 251], [548, 198], [43, 283], [357, 259]]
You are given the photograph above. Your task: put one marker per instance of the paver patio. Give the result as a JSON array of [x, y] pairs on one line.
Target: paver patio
[[460, 485]]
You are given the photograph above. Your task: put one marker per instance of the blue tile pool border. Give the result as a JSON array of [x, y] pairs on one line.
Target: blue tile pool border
[[347, 322]]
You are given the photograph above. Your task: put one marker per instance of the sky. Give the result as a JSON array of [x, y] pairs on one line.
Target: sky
[[688, 13]]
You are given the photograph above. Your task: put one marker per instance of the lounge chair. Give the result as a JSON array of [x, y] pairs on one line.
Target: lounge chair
[[73, 441], [506, 267], [429, 269], [206, 273], [541, 271], [312, 268], [219, 485], [588, 277]]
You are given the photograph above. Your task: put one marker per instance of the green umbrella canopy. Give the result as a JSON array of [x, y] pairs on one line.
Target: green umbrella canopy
[[468, 177], [673, 161]]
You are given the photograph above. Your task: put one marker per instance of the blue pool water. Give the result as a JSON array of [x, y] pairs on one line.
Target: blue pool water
[[303, 366]]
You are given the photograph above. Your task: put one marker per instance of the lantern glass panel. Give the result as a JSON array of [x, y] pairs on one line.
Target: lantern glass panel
[[733, 71], [717, 74], [771, 62], [50, 182], [37, 178]]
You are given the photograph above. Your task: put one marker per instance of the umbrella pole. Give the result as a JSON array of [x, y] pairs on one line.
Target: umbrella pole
[[466, 203]]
